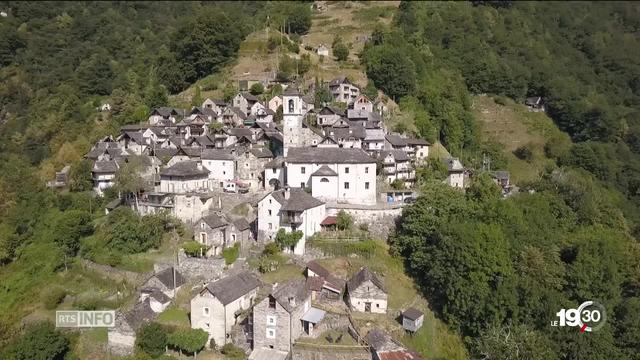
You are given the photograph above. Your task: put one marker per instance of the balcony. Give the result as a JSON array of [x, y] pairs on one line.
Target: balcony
[[292, 219]]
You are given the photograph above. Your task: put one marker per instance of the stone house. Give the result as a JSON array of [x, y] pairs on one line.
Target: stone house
[[163, 280], [374, 139], [122, 337], [396, 166], [103, 174], [216, 105], [274, 172], [343, 90], [233, 116], [322, 284], [244, 101], [456, 173], [275, 103], [384, 347], [158, 300], [133, 142], [213, 231], [395, 142], [322, 50], [216, 307], [190, 207], [184, 177], [208, 114], [277, 319], [221, 165], [419, 149], [354, 181], [291, 209], [329, 115], [346, 137], [165, 113], [366, 292], [362, 103], [250, 165]]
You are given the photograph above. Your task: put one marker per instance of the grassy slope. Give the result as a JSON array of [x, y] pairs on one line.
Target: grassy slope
[[434, 340], [512, 125]]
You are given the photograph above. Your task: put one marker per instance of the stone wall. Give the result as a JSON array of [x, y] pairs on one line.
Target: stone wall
[[113, 273], [381, 222], [202, 269]]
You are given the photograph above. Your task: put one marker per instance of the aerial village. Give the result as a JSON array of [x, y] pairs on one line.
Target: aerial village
[[298, 175]]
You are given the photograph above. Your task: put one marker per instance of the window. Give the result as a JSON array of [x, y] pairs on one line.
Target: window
[[202, 225], [377, 305], [271, 320], [224, 173], [206, 326], [272, 302], [346, 170], [269, 212], [269, 201], [366, 186], [324, 180], [246, 165], [302, 185], [366, 170], [273, 170], [205, 311], [303, 170], [346, 185], [291, 106], [271, 333]]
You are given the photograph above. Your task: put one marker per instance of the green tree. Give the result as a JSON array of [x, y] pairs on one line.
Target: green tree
[[397, 184], [190, 341], [39, 342], [344, 221], [69, 227], [341, 51], [322, 95], [152, 339], [257, 89], [483, 188], [196, 99], [370, 91], [288, 240], [80, 176], [391, 70], [514, 342]]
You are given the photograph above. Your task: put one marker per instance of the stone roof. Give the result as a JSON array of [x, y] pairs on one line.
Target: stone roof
[[398, 155], [215, 221], [317, 268], [156, 294], [192, 152], [249, 96], [167, 152], [238, 112], [396, 140], [454, 165], [299, 200], [420, 142], [324, 170], [106, 167], [328, 279], [185, 168], [232, 287], [412, 313], [238, 132], [203, 140], [363, 275], [327, 110], [139, 315], [241, 224], [291, 294], [291, 91], [261, 153], [380, 341], [356, 132], [166, 278], [315, 283], [339, 80], [216, 154], [318, 155], [276, 163]]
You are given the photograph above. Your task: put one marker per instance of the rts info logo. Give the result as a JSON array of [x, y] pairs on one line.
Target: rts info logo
[[589, 317]]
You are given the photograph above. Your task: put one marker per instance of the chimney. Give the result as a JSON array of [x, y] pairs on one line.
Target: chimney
[[292, 301], [287, 193], [199, 165]]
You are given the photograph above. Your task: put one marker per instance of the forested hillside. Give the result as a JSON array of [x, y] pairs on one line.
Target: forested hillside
[[58, 63], [498, 269]]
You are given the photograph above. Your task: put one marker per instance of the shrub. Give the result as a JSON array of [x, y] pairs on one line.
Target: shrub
[[524, 153], [271, 249], [53, 297], [341, 52], [232, 352], [188, 340], [364, 227], [152, 339], [397, 184], [344, 221], [286, 240], [256, 89], [193, 248], [230, 254]]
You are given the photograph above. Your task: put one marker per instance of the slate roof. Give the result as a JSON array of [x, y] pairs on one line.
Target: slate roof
[[139, 315], [412, 313], [380, 341], [315, 283], [276, 163], [328, 156], [241, 224], [166, 278], [363, 275], [454, 165], [238, 112], [396, 140], [324, 170], [317, 268], [249, 97], [299, 200], [156, 294], [99, 149], [185, 168], [168, 152], [106, 167], [261, 153], [216, 154], [238, 132], [421, 142], [295, 290], [338, 81], [192, 152], [215, 221], [398, 155], [232, 287], [327, 110], [356, 132], [291, 91], [204, 111]]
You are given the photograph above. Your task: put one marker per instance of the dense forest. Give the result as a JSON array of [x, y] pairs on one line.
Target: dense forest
[[58, 62], [497, 269]]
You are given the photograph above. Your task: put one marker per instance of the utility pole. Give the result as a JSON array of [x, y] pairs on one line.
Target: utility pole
[[175, 262]]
